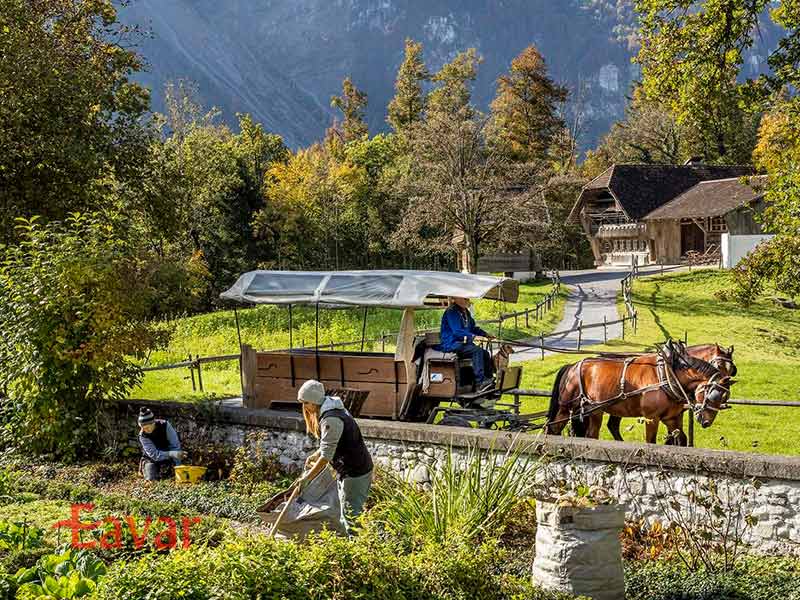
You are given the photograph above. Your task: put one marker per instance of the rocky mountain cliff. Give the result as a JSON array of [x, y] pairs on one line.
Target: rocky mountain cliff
[[281, 60]]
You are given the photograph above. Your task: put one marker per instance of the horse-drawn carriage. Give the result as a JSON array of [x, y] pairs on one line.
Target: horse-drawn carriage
[[418, 383], [410, 384]]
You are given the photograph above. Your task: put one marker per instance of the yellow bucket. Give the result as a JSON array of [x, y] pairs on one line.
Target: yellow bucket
[[189, 473]]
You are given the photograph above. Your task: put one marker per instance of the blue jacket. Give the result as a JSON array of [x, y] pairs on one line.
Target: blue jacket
[[458, 327]]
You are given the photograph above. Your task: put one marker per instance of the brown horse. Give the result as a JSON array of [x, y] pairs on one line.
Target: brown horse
[[721, 358], [657, 387]]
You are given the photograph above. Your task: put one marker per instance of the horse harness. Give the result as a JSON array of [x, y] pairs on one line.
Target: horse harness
[[668, 382]]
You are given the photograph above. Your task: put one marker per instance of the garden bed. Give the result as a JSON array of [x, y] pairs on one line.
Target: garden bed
[[230, 556]]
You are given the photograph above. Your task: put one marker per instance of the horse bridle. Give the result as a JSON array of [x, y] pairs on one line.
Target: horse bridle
[[715, 362], [710, 385]]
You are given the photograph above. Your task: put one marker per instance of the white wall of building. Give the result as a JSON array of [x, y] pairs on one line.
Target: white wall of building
[[736, 247]]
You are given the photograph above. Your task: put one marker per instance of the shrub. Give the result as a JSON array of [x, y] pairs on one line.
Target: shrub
[[776, 261], [73, 298], [327, 566], [757, 578]]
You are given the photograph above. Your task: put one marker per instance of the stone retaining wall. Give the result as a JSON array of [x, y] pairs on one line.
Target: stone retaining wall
[[653, 480]]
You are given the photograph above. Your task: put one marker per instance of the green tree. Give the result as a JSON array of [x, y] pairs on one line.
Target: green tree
[[691, 55], [352, 104], [460, 187], [74, 298], [408, 104], [70, 116], [524, 110], [452, 94]]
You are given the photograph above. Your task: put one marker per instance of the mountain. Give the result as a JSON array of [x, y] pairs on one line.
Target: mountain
[[281, 60]]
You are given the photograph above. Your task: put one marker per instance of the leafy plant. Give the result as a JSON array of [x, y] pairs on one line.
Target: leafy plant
[[73, 298], [469, 496], [56, 576], [707, 521], [253, 464], [19, 536]]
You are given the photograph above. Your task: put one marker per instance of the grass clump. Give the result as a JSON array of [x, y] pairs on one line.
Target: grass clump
[[468, 497]]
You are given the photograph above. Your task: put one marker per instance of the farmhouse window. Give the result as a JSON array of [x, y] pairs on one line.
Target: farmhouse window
[[718, 225]]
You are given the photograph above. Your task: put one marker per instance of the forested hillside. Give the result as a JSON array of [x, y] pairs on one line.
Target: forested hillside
[[281, 60]]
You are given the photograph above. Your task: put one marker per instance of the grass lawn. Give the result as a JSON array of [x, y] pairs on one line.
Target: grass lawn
[[267, 327], [766, 339]]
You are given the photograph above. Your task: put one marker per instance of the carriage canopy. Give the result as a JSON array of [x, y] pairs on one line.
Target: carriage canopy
[[389, 289]]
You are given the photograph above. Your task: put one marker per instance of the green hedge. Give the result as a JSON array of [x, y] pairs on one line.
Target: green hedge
[[367, 567], [755, 578]]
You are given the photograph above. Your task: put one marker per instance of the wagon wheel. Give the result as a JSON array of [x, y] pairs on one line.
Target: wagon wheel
[[455, 421]]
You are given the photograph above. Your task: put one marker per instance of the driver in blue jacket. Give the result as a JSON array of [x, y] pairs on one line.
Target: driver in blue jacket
[[459, 334]]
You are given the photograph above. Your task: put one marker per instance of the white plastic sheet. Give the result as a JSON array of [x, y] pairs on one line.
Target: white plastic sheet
[[393, 289]]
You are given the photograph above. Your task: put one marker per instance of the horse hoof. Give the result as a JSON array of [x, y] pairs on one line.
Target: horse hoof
[[706, 424]]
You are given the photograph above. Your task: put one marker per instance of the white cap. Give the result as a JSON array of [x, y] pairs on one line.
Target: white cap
[[312, 391]]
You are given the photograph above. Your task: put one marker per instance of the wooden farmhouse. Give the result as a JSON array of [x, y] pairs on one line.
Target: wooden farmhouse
[[651, 214]]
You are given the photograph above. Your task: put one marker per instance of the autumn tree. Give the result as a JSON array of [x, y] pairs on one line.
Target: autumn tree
[[525, 118], [408, 104], [649, 134], [70, 115], [352, 104]]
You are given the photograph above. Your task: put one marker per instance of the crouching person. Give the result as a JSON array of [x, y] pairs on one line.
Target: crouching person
[[340, 445], [161, 448]]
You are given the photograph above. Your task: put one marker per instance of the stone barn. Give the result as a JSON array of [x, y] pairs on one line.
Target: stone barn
[[614, 209]]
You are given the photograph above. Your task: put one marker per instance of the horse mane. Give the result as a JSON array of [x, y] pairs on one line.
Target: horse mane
[[698, 364]]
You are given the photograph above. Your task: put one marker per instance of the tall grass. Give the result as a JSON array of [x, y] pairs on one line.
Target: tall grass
[[469, 497]]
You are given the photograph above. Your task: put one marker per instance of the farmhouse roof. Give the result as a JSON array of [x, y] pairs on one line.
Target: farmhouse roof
[[712, 198], [640, 189]]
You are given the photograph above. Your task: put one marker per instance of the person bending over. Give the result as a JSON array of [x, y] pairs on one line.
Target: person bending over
[[340, 445], [161, 448]]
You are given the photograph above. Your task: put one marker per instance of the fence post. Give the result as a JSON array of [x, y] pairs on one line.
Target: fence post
[[331, 344], [541, 342], [635, 320], [516, 324], [302, 343], [624, 318], [199, 372], [691, 428], [527, 310], [685, 337], [383, 341], [580, 332], [605, 330], [191, 372]]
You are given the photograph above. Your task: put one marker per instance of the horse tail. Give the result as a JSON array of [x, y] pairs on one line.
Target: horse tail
[[555, 395]]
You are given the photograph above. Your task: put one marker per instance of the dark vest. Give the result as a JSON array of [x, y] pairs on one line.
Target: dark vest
[[351, 458], [159, 435]]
